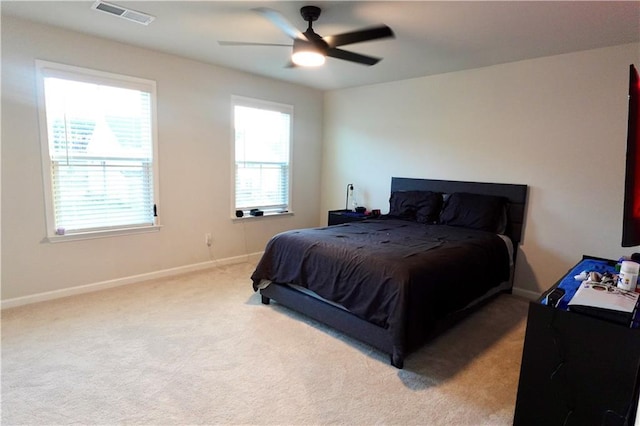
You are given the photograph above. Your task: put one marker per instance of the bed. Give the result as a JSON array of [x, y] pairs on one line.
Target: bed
[[396, 281]]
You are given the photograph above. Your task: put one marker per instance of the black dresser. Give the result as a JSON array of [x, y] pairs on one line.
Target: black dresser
[[577, 369]]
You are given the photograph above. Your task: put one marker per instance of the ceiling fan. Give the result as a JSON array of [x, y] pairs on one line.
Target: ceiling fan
[[309, 48]]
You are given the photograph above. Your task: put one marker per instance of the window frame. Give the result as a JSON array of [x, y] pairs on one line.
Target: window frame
[[271, 106], [53, 69]]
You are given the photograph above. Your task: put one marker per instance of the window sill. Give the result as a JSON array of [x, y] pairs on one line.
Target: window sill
[[101, 234], [266, 215]]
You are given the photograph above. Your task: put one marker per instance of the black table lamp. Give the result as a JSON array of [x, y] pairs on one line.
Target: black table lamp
[[349, 188]]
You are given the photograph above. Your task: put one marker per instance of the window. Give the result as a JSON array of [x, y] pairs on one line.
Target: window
[[98, 145], [262, 135]]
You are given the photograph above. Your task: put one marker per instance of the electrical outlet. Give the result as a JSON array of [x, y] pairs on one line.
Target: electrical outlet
[[208, 240]]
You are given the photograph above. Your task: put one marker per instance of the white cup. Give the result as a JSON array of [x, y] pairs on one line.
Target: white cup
[[628, 276]]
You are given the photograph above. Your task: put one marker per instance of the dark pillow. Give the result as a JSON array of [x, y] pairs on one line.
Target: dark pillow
[[429, 207], [475, 211], [422, 206]]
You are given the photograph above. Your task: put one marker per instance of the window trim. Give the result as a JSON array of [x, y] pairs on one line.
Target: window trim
[[92, 235], [47, 69], [237, 100]]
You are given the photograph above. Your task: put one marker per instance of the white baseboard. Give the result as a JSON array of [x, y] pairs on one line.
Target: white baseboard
[[527, 294], [88, 288]]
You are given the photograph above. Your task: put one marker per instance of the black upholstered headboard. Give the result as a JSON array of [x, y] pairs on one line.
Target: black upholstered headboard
[[515, 193]]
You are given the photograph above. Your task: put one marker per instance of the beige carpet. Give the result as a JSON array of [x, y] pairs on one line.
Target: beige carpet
[[202, 349]]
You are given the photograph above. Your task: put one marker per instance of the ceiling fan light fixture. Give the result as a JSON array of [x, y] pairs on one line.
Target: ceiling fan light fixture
[[306, 54], [307, 58]]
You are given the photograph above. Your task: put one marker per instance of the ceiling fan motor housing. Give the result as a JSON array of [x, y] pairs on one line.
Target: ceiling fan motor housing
[[310, 13]]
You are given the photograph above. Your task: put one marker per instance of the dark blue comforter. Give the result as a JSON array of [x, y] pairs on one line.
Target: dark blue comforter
[[400, 275]]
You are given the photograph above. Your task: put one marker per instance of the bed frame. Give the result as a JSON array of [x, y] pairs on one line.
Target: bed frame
[[372, 334]]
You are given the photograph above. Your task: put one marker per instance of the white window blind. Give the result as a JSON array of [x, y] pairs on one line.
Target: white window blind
[[262, 155], [100, 152]]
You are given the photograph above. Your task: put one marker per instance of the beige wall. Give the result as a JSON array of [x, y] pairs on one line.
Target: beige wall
[[194, 156], [557, 124]]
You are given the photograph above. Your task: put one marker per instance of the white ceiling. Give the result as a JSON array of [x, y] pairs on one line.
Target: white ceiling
[[432, 37]]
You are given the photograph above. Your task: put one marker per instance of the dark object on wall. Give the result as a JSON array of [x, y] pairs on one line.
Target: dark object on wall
[[239, 213], [256, 212], [631, 215]]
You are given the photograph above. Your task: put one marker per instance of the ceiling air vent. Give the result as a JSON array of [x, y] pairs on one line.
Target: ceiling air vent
[[124, 13]]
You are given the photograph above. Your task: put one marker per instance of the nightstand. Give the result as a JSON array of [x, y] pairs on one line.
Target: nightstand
[[336, 217]]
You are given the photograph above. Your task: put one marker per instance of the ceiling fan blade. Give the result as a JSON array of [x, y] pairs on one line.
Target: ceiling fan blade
[[244, 43], [280, 21], [351, 56], [358, 36]]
